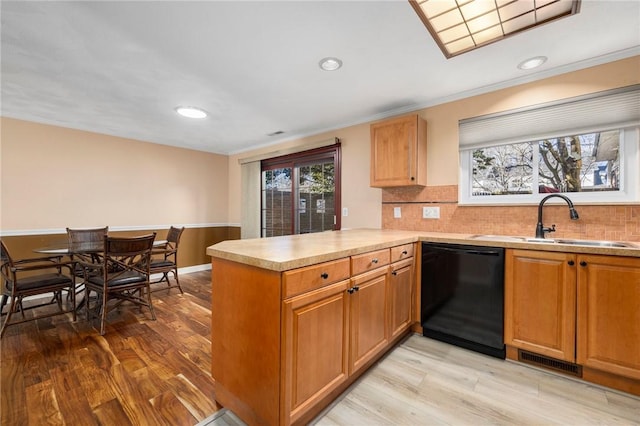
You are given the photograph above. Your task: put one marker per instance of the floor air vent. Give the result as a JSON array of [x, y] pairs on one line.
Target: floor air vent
[[550, 363]]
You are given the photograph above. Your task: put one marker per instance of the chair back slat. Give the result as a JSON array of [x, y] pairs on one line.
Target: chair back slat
[[87, 235], [174, 234], [125, 246]]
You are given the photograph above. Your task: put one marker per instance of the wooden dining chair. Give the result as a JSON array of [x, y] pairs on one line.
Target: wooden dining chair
[[85, 261], [33, 277], [93, 235], [165, 259], [124, 276]]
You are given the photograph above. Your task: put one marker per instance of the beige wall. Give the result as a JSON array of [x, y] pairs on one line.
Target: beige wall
[[84, 179], [362, 201], [442, 120], [54, 177]]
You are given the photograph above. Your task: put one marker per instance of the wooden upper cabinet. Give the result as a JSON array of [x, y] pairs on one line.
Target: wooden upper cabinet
[[399, 152], [609, 314]]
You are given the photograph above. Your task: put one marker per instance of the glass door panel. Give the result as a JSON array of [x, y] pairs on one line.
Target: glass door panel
[[315, 206], [277, 213]]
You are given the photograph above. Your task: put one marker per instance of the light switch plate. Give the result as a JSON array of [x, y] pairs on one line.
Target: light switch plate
[[345, 211], [397, 212], [431, 212]]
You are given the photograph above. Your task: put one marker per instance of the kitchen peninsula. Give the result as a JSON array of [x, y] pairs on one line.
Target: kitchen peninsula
[[296, 319]]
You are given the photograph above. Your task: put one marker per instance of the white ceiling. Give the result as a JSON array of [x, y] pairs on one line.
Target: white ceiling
[[120, 68]]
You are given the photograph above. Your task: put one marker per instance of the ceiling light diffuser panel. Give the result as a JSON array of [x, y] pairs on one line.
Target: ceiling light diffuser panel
[[463, 25]]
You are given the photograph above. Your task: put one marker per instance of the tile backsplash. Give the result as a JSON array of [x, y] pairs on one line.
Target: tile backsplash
[[603, 222]]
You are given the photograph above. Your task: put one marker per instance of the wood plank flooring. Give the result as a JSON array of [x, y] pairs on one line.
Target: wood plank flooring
[[141, 372], [426, 382], [145, 372]]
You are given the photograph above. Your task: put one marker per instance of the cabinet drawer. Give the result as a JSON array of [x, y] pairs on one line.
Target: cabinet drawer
[[301, 280], [401, 252], [368, 261]]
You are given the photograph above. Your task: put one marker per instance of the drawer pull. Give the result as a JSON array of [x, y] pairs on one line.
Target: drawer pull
[[571, 263], [404, 252], [324, 275], [394, 273], [374, 260], [583, 263]]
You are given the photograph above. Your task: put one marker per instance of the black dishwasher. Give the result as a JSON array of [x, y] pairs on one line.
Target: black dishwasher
[[463, 296]]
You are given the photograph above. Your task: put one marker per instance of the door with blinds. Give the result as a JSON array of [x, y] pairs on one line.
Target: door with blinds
[[300, 193]]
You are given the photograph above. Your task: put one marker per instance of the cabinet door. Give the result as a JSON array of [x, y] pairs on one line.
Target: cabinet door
[[609, 314], [315, 347], [398, 152], [540, 302], [400, 285], [368, 320]]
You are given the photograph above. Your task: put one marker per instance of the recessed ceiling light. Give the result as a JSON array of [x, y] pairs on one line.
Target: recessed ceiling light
[[532, 63], [191, 112], [330, 64]]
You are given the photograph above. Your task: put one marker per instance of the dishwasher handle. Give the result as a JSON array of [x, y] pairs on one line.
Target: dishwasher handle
[[469, 251]]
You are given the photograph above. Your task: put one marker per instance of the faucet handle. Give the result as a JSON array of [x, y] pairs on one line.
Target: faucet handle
[[552, 229]]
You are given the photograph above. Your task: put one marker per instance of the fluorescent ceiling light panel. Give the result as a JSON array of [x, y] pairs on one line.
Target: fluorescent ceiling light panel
[[459, 26]]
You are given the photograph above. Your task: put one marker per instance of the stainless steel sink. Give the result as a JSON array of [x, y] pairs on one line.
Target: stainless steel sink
[[597, 243], [496, 237], [592, 243]]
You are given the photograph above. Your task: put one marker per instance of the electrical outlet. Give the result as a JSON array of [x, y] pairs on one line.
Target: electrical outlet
[[431, 212], [397, 212], [345, 211]]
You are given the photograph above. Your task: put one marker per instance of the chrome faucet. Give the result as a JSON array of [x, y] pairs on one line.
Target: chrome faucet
[[540, 229]]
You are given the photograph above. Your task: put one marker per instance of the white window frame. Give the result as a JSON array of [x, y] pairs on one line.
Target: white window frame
[[629, 192]]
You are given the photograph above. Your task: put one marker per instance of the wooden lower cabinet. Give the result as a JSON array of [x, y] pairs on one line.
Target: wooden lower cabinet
[[368, 317], [579, 308], [609, 314], [540, 302], [316, 344], [400, 297], [284, 345]]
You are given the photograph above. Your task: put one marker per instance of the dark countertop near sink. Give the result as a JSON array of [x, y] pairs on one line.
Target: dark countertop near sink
[[295, 251]]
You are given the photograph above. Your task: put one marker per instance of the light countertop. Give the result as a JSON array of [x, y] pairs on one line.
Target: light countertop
[[295, 251]]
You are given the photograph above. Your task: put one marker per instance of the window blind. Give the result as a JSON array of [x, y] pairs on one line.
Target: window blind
[[250, 201], [617, 108]]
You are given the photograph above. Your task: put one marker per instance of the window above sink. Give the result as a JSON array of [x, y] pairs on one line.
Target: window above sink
[[586, 146]]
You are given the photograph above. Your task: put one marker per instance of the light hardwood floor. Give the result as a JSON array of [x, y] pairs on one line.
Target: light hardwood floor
[[426, 382]]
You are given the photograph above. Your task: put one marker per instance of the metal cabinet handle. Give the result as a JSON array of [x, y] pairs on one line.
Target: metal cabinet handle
[[583, 263], [324, 275], [350, 291], [374, 260], [404, 252], [394, 273], [571, 263]]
